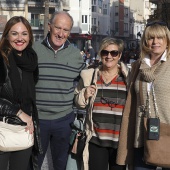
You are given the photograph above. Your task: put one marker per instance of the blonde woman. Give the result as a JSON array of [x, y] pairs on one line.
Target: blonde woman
[[153, 70]]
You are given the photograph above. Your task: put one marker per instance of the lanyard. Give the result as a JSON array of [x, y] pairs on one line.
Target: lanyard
[[152, 89]]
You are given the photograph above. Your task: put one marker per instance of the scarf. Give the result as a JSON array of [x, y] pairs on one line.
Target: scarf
[[23, 73], [147, 73]]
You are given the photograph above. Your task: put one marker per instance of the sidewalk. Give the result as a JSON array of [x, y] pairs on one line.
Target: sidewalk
[[47, 164]]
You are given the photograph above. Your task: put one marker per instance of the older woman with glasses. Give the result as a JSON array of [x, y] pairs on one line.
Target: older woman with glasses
[[148, 94], [104, 98]]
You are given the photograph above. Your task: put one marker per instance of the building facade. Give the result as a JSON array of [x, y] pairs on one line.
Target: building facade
[[93, 19]]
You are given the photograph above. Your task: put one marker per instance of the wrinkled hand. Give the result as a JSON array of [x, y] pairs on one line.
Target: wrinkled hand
[[90, 91], [28, 119]]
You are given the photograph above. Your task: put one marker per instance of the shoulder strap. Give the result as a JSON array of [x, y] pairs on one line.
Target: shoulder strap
[[92, 80], [141, 92], [92, 83]]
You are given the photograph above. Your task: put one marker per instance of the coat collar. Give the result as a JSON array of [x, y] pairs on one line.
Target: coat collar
[[86, 75]]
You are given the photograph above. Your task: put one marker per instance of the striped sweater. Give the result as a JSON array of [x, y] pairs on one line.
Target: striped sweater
[[80, 101], [107, 117], [57, 71]]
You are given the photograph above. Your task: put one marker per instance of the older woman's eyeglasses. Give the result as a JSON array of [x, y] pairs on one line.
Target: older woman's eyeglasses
[[114, 53], [156, 23]]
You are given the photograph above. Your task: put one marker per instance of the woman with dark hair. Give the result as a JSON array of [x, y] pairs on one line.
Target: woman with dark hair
[[19, 74]]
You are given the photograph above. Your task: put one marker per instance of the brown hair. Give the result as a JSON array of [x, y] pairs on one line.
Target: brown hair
[[5, 46]]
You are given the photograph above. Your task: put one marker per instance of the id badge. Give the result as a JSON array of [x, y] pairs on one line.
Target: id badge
[[153, 128]]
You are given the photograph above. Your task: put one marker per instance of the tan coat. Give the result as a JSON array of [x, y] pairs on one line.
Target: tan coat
[[126, 139], [85, 81]]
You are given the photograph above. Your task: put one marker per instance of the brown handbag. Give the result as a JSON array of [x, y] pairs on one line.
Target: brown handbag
[[156, 152]]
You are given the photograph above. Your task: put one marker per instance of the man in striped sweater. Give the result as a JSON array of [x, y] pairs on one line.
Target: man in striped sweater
[[59, 64]]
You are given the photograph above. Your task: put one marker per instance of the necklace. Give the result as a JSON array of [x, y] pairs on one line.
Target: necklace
[[107, 81], [105, 100]]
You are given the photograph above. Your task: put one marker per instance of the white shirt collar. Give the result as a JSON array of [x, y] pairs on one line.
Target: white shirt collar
[[52, 47], [163, 58]]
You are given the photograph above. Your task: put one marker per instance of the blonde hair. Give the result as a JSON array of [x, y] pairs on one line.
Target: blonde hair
[[108, 41], [155, 30]]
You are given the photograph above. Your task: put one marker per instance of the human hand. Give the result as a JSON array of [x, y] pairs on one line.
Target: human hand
[[28, 119], [90, 91]]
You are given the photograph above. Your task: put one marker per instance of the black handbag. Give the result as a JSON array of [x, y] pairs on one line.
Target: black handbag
[[78, 137], [13, 120]]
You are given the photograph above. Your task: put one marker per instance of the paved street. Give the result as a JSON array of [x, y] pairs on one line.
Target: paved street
[[47, 164]]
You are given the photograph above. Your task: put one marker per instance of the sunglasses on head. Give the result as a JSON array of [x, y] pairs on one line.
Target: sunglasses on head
[[114, 53], [156, 23]]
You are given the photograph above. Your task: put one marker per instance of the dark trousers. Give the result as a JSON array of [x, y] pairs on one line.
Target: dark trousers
[[100, 158], [17, 160], [56, 132], [139, 163]]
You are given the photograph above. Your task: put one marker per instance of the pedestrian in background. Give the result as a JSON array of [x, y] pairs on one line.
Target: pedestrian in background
[[90, 55], [149, 76], [108, 96], [59, 64], [19, 71]]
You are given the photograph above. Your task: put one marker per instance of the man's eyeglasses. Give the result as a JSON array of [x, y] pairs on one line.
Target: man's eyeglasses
[[113, 53], [110, 103], [156, 23]]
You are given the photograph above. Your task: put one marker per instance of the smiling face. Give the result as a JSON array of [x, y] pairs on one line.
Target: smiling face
[[157, 45], [108, 60], [59, 30], [155, 40], [18, 36]]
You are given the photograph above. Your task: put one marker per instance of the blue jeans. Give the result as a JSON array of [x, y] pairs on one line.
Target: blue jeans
[[139, 163], [56, 132]]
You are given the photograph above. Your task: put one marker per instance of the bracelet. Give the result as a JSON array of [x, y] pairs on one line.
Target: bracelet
[[19, 113]]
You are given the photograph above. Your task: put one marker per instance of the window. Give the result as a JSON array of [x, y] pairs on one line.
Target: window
[[116, 10], [125, 27], [35, 22], [94, 9], [116, 26], [94, 21], [93, 2], [104, 5], [126, 12], [132, 30], [105, 9], [84, 18]]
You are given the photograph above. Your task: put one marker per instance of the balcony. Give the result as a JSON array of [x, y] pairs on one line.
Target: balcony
[[38, 3], [37, 23], [35, 3], [154, 1]]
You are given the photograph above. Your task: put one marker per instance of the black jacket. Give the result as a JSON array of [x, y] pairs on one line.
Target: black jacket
[[8, 107]]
